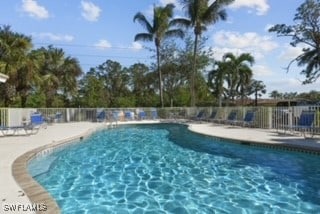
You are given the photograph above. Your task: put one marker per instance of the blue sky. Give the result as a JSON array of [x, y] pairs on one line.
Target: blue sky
[[96, 30]]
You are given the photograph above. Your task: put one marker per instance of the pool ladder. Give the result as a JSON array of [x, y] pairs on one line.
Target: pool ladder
[[113, 124]]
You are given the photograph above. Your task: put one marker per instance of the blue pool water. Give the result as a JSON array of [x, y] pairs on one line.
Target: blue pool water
[[167, 169]]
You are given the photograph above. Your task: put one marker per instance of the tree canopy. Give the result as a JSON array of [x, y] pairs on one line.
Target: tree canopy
[[185, 73], [305, 32]]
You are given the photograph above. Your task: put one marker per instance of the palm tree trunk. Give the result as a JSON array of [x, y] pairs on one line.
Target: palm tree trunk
[[160, 76], [242, 95], [220, 101], [256, 98], [193, 72]]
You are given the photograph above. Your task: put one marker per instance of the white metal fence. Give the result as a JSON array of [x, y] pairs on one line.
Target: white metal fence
[[265, 117]]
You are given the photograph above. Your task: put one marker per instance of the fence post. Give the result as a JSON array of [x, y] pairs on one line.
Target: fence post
[[269, 117]]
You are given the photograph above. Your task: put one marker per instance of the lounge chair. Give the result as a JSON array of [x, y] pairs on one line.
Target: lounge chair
[[212, 116], [305, 123], [129, 115], [154, 114], [142, 115], [58, 117], [36, 122], [232, 117], [14, 130], [200, 116], [248, 119], [101, 115]]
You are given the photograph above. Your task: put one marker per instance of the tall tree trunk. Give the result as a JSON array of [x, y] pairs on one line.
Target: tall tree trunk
[[160, 76], [242, 95], [220, 100], [256, 98], [23, 99], [193, 72]]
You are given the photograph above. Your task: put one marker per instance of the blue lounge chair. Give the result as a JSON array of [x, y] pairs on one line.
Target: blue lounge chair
[[36, 122], [36, 119], [305, 123], [200, 116], [248, 119], [154, 114], [232, 117], [101, 115], [212, 116], [142, 115], [128, 115]]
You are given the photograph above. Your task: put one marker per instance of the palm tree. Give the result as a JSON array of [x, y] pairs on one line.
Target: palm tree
[[200, 15], [275, 94], [157, 31], [216, 79], [59, 73], [50, 71], [70, 71], [14, 49], [28, 76], [240, 73], [257, 88]]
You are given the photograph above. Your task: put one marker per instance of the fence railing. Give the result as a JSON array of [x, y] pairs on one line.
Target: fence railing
[[265, 117]]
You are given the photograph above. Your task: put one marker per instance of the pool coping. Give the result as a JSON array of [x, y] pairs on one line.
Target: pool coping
[[39, 195], [270, 145], [283, 146]]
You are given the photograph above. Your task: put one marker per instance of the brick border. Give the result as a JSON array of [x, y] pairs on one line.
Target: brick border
[[34, 191]]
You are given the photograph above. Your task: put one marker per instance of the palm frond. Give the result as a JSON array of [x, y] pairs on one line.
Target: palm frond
[[216, 11], [139, 17], [174, 33], [246, 57], [143, 37], [168, 9], [180, 22]]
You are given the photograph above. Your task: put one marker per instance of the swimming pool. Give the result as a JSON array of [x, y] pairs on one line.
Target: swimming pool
[[165, 168]]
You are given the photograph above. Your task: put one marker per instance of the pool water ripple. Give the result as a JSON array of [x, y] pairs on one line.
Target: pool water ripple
[[167, 169]]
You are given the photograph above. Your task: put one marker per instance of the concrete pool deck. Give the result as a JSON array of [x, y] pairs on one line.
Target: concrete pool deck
[[14, 147]]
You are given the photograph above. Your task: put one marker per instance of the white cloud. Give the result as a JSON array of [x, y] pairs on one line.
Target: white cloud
[[90, 11], [136, 46], [291, 84], [290, 52], [260, 71], [249, 42], [33, 9], [178, 7], [176, 3], [53, 37], [103, 44], [261, 7], [218, 52], [165, 2]]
